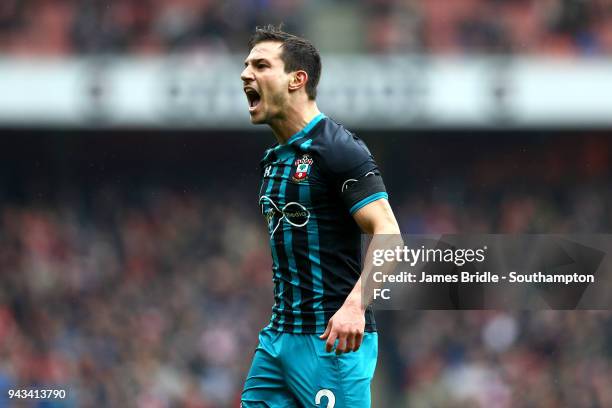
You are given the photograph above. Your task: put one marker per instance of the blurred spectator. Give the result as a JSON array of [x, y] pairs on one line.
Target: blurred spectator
[[546, 27]]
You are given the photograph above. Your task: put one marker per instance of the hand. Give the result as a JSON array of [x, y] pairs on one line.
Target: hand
[[347, 326]]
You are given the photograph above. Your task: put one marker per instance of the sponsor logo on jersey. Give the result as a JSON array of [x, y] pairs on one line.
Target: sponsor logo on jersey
[[294, 214]]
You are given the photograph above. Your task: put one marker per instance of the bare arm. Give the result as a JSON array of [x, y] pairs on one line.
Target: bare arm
[[347, 325]]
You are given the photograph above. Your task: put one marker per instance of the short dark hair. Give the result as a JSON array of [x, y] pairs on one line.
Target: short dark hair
[[298, 54]]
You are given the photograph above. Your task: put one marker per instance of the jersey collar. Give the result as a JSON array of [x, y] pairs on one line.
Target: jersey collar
[[306, 129], [297, 139]]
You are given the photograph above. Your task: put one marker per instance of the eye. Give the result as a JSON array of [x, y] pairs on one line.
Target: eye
[[262, 66]]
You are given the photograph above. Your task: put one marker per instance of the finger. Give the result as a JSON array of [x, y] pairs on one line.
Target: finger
[[341, 347], [331, 339], [326, 332], [358, 341], [350, 342]]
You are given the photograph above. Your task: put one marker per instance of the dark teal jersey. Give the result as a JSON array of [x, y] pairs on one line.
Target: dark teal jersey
[[314, 240]]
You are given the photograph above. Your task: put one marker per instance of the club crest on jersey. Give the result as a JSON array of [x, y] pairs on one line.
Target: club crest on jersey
[[302, 168]]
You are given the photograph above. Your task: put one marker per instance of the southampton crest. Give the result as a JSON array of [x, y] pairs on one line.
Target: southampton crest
[[302, 168]]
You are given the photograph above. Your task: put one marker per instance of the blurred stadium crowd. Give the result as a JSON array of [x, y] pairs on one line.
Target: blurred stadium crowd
[[149, 306], [145, 27], [153, 296]]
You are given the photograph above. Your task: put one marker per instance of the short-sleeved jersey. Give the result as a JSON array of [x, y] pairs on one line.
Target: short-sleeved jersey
[[314, 240]]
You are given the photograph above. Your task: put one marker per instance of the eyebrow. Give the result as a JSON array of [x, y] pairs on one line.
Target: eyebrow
[[255, 61]]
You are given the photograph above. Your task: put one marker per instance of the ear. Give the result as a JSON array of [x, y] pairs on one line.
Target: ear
[[298, 80]]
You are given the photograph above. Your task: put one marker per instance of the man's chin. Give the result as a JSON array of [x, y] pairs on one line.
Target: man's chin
[[258, 119]]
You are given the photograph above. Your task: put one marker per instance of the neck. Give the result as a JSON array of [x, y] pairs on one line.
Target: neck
[[294, 120]]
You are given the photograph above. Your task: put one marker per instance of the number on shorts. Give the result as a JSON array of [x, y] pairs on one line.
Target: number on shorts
[[331, 398]]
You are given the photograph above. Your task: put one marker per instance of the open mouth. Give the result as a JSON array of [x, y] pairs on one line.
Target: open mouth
[[253, 97]]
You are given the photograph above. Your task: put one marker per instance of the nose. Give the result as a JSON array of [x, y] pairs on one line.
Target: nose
[[247, 74]]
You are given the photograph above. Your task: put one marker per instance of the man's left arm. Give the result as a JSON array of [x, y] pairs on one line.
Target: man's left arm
[[347, 325]]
